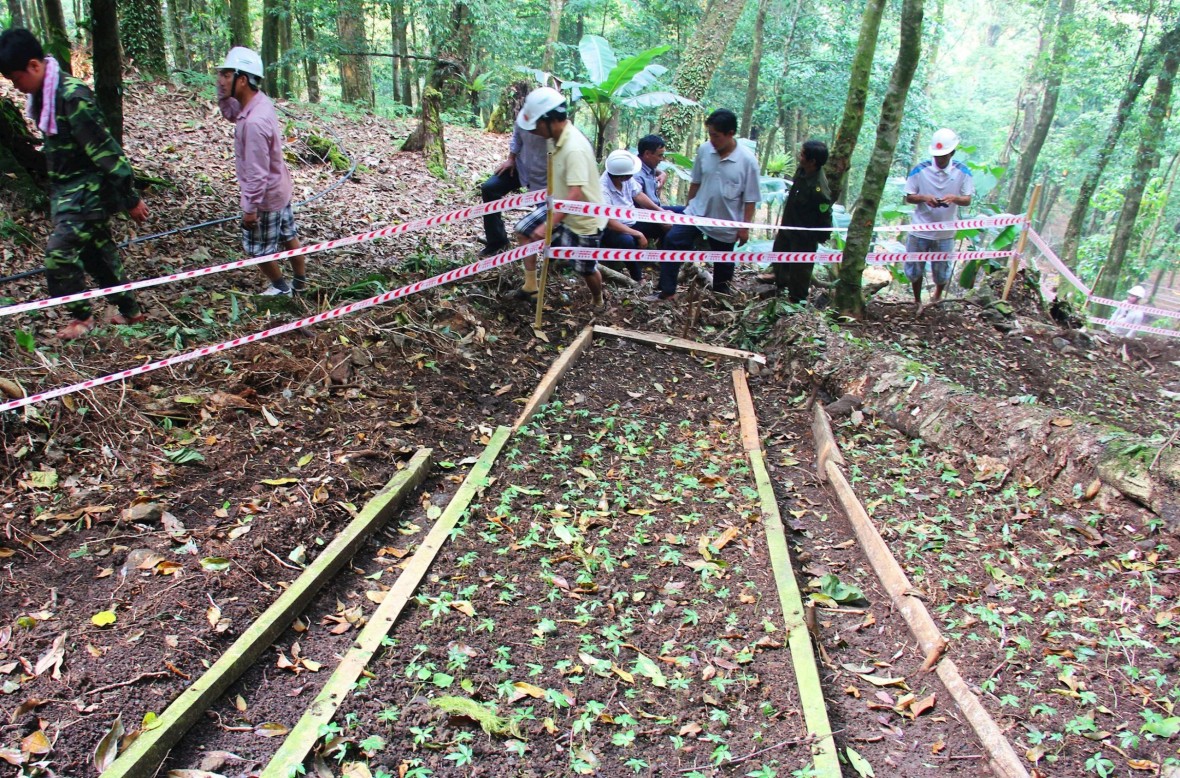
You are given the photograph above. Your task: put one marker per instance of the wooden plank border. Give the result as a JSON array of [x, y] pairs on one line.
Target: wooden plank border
[[554, 374], [811, 696], [143, 757], [303, 737], [1001, 756], [671, 341]]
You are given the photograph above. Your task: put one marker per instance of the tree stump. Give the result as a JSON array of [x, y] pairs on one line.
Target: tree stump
[[428, 138]]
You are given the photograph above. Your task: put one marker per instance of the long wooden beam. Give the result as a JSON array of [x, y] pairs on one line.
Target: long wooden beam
[[670, 341], [549, 381], [815, 713], [143, 758], [321, 711]]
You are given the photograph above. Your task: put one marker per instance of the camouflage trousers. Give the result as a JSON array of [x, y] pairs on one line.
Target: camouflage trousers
[[76, 248]]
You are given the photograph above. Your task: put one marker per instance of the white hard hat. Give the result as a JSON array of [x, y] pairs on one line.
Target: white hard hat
[[622, 163], [539, 102], [243, 60], [944, 142], [1137, 291]]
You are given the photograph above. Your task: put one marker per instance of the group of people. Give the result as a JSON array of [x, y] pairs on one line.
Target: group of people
[[90, 178], [724, 185]]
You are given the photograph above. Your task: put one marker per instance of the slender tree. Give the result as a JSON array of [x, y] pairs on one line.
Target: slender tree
[[854, 104], [1028, 156], [311, 63], [755, 67], [271, 51], [108, 64], [849, 299], [550, 60], [935, 37], [241, 32], [699, 61], [57, 41], [1147, 158], [1077, 217], [16, 13], [141, 27], [356, 76], [178, 11]]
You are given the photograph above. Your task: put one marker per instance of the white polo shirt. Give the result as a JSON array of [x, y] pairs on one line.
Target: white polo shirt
[[929, 179], [622, 197], [726, 185]]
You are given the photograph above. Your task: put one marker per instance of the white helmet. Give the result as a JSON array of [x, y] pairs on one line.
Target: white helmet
[[1136, 291], [944, 142], [622, 163], [243, 60], [539, 102]]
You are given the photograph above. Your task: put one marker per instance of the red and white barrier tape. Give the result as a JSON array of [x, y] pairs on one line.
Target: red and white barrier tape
[[667, 217], [1056, 262], [775, 257], [508, 203], [1135, 327], [405, 291], [1136, 307]]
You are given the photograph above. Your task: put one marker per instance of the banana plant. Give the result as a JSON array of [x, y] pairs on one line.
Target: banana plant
[[632, 82]]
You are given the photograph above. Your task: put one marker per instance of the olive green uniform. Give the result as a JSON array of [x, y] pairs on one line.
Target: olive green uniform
[[89, 179], [809, 204]]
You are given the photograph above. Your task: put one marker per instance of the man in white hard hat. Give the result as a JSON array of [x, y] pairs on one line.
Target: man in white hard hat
[[574, 177], [937, 186], [620, 187], [1124, 319], [268, 223]]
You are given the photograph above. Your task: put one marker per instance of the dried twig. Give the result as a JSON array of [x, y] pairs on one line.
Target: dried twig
[[136, 679]]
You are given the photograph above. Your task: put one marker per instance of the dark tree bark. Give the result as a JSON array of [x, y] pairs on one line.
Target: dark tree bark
[[934, 37], [1147, 159], [56, 40], [286, 72], [550, 60], [141, 27], [17, 13], [1036, 141], [849, 300], [271, 24], [840, 159], [402, 47], [108, 64], [1077, 217], [241, 32], [455, 58], [22, 165], [755, 67], [428, 137], [311, 63], [698, 63], [356, 76], [178, 13]]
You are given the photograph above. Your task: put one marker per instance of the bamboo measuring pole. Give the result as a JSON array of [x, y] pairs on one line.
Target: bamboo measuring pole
[[545, 248], [1032, 208]]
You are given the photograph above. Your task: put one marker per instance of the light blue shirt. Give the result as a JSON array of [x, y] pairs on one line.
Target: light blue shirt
[[726, 186]]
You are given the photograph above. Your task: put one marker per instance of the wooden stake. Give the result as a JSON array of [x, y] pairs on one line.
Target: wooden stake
[[549, 215], [322, 710], [1032, 209], [558, 369], [143, 757], [671, 341], [811, 696]]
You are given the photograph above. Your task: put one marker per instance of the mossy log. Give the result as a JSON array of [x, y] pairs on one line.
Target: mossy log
[[428, 137], [22, 165], [1049, 446], [329, 151]]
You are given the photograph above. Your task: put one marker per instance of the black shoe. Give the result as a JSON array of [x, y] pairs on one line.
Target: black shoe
[[523, 295], [491, 251]]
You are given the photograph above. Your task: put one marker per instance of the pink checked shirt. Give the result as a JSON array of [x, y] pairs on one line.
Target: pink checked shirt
[[258, 154]]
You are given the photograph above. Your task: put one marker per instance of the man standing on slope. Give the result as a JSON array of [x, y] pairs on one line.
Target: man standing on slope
[[89, 179], [938, 186], [267, 218], [809, 204], [575, 177]]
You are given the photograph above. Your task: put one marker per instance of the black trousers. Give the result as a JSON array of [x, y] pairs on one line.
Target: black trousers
[[493, 189]]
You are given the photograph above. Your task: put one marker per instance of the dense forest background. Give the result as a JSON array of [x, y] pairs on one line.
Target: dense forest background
[[1074, 95]]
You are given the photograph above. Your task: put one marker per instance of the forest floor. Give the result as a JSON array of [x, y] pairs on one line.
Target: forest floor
[[146, 524]]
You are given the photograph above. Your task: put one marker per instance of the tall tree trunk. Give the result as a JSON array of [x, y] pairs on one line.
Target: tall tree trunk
[[356, 77], [271, 52], [57, 40], [455, 56], [178, 11], [241, 32], [840, 160], [428, 137], [1036, 141], [16, 13], [1147, 159], [141, 27], [550, 60], [311, 61], [403, 48], [848, 298], [22, 165], [705, 50], [755, 66], [396, 63], [935, 37], [108, 64], [286, 72], [1146, 246], [1077, 217]]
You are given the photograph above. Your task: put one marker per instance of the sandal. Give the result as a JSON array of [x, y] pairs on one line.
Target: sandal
[[76, 329], [119, 318]]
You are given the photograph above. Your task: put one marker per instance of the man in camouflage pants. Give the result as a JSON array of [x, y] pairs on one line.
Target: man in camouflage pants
[[89, 179]]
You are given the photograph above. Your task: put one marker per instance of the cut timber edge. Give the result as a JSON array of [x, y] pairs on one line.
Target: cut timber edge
[[549, 381], [670, 341]]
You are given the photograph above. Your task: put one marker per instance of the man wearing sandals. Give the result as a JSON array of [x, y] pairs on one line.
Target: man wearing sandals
[[89, 180], [268, 222], [937, 186]]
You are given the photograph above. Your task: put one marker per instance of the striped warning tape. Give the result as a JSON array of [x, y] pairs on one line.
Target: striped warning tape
[[405, 291], [496, 206], [667, 217], [652, 255], [1136, 327]]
